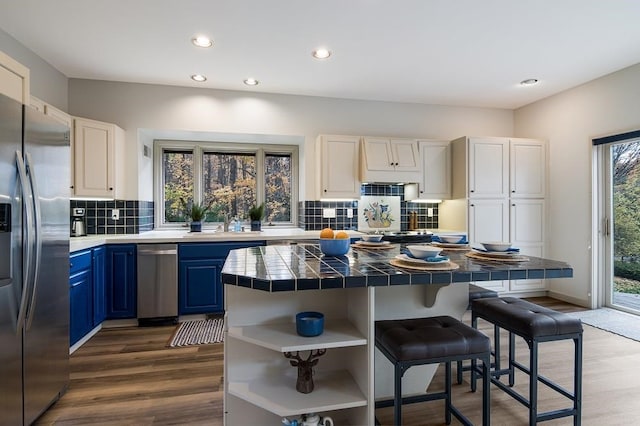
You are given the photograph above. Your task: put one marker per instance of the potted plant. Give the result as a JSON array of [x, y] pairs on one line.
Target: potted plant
[[196, 212], [256, 213]]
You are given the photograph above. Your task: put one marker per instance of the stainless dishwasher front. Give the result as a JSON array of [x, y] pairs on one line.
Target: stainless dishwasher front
[[157, 282]]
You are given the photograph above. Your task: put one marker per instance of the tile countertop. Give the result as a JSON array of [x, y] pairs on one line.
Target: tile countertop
[[304, 267], [184, 236]]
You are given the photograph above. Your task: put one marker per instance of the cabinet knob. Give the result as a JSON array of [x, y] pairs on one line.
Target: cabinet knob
[[473, 205], [110, 188], [397, 164], [391, 164], [422, 192], [70, 265], [71, 187], [513, 190], [325, 190], [472, 190]]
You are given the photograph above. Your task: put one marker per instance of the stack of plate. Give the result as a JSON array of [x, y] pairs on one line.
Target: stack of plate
[[406, 261]]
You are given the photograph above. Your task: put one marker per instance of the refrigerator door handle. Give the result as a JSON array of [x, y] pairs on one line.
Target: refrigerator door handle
[[37, 216], [22, 176]]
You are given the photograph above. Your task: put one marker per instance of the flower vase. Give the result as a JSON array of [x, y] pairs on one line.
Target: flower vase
[[256, 225], [196, 226]]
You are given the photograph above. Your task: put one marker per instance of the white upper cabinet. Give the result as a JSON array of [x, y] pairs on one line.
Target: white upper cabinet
[[14, 79], [435, 163], [499, 168], [98, 159], [488, 167], [527, 159], [339, 159]]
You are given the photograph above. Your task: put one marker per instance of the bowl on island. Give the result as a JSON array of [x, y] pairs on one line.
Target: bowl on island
[[334, 247], [372, 238], [423, 251], [496, 246], [451, 239]]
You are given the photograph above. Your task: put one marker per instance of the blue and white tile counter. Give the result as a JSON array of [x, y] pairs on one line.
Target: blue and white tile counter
[[304, 267], [266, 286]]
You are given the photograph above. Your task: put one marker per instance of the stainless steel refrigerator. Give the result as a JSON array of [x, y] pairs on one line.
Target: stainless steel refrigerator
[[34, 262]]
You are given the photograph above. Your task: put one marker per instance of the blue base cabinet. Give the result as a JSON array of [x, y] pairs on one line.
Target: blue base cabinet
[[200, 289], [121, 281], [80, 296]]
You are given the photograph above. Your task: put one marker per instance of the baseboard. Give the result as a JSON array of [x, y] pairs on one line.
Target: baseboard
[[569, 299], [128, 322], [85, 339]]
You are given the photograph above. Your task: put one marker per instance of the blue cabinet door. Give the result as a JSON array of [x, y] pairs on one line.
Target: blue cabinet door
[[99, 290], [121, 284], [200, 287], [80, 305]]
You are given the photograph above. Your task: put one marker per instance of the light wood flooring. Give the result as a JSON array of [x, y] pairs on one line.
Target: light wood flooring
[[128, 377]]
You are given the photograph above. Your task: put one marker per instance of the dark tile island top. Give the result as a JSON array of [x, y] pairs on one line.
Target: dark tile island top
[[304, 267]]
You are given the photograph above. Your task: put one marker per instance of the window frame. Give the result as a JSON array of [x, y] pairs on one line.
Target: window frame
[[199, 148]]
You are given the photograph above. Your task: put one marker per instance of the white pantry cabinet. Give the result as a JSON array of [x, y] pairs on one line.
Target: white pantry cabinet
[[98, 159], [435, 181], [14, 79], [502, 181], [338, 159], [390, 160]]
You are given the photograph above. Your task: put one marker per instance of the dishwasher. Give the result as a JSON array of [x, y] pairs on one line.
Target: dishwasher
[[157, 284]]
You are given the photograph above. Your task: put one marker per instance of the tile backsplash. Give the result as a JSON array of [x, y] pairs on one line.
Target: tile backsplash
[[135, 216], [310, 212]]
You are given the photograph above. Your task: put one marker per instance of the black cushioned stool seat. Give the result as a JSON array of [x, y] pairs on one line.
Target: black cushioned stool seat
[[535, 324], [418, 341]]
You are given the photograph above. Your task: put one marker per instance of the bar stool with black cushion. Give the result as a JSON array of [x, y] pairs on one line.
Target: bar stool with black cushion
[[419, 341], [475, 292], [535, 324]]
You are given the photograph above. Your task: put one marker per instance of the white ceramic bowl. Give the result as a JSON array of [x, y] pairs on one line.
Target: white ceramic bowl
[[423, 251], [496, 246], [372, 238], [451, 239]]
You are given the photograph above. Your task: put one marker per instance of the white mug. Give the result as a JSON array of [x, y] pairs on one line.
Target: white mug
[[314, 420]]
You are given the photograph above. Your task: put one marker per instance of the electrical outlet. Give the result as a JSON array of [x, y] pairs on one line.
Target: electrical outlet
[[115, 214], [329, 213], [349, 213], [429, 211]]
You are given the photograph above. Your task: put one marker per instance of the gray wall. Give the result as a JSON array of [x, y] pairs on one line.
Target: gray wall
[[148, 111], [47, 83], [569, 121]]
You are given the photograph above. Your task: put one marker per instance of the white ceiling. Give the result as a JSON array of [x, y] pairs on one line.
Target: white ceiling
[[448, 52]]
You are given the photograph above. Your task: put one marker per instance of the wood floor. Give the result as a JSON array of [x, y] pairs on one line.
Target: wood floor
[[128, 377]]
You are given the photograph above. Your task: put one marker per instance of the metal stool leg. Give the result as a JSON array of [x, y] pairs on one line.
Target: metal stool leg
[[512, 358], [397, 397], [577, 380], [533, 382], [486, 385], [447, 389]]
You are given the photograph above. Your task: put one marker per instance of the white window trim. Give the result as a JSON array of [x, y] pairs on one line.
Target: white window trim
[[198, 147]]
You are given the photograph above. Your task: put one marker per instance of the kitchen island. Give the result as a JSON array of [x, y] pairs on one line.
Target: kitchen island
[[266, 286]]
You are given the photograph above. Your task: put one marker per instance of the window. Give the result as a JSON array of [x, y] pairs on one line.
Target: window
[[229, 177]]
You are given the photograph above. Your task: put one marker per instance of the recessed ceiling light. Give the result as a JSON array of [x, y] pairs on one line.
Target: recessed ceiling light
[[202, 41], [321, 53], [198, 77], [251, 82], [529, 82]]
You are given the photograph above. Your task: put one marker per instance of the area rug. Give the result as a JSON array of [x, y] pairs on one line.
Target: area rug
[[614, 321], [198, 332]]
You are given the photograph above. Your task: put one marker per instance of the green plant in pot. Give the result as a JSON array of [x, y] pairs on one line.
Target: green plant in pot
[[256, 213], [196, 212]]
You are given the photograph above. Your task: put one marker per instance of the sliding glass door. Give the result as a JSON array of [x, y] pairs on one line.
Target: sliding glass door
[[621, 225]]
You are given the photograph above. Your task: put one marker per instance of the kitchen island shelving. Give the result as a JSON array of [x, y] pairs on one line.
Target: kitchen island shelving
[[266, 286]]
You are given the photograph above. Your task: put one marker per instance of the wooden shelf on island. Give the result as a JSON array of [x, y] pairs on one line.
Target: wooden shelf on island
[[334, 390], [282, 337]]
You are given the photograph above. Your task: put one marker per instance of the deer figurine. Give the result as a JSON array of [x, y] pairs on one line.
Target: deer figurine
[[304, 384]]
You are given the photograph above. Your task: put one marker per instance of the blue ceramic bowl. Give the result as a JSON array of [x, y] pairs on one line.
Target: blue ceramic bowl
[[309, 323], [334, 247]]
